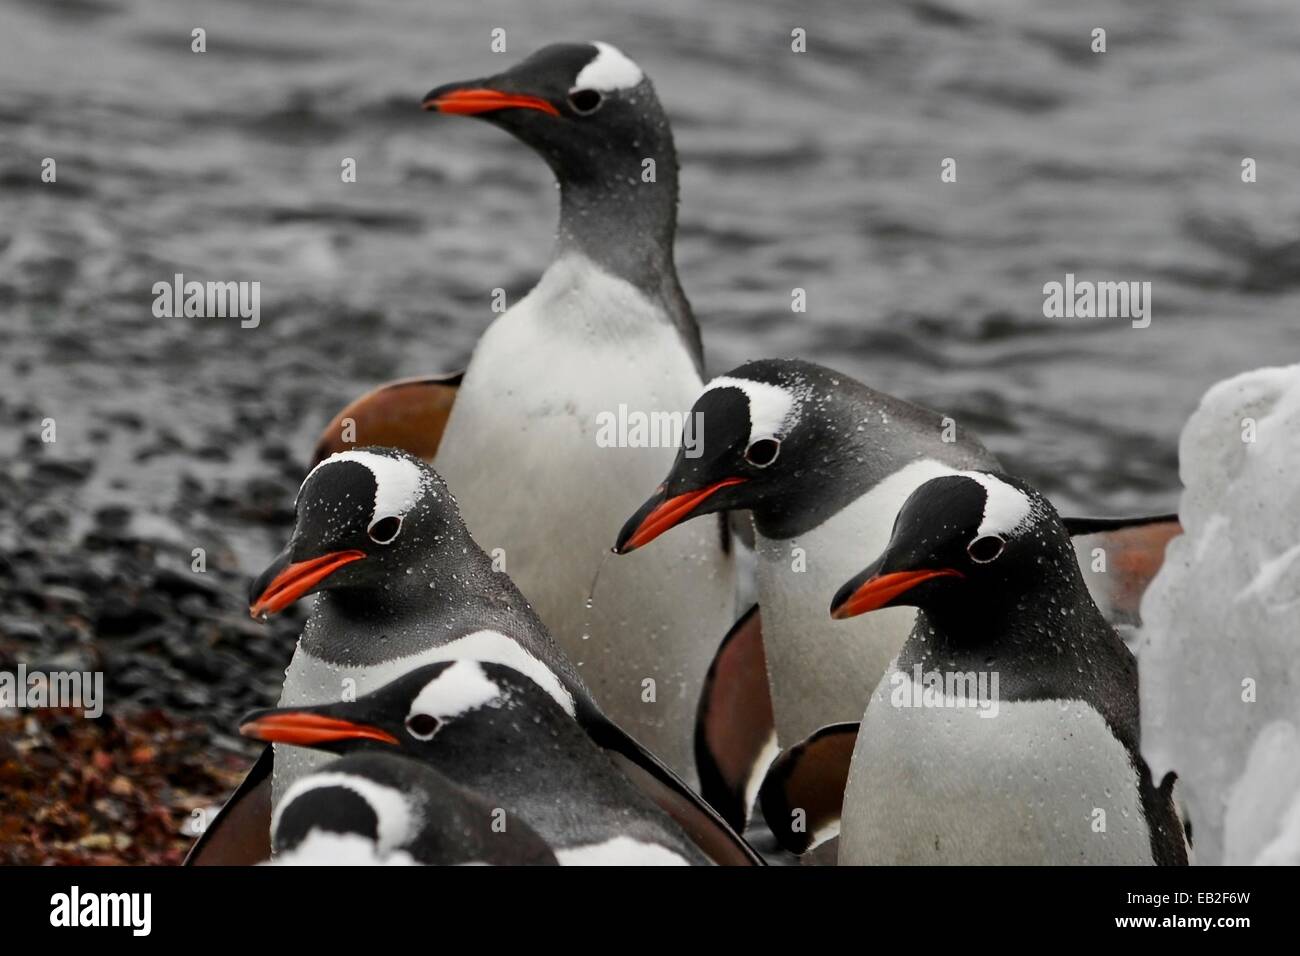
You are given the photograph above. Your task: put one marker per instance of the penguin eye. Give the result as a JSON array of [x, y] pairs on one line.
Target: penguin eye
[[986, 548], [385, 529], [763, 452], [585, 102], [423, 726]]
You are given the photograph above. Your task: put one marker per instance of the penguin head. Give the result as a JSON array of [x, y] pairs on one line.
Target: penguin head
[[962, 544], [324, 803], [463, 702], [746, 445], [362, 516], [384, 807], [585, 107]]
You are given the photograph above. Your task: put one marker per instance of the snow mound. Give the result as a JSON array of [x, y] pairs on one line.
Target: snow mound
[[1219, 649]]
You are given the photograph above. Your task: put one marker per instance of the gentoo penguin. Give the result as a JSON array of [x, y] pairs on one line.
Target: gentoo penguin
[[1006, 732], [382, 808], [535, 447], [823, 463], [497, 731], [401, 583]]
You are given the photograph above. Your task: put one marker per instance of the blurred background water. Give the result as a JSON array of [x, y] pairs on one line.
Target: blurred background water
[[818, 171]]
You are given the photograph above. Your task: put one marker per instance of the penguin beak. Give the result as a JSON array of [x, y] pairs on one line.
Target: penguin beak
[[285, 582], [875, 588], [306, 729], [475, 97], [661, 512]]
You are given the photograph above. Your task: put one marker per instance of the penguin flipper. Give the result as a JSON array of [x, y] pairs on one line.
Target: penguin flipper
[[1134, 549], [735, 731], [241, 833], [712, 834], [803, 792], [410, 414]]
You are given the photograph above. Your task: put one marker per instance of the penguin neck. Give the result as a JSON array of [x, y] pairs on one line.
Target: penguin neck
[[628, 228]]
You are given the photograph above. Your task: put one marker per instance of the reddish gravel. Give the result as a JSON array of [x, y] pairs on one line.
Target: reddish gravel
[[117, 790]]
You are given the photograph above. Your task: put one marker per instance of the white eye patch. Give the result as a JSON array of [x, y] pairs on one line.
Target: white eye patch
[[493, 647], [460, 688], [1006, 508], [773, 411], [610, 70], [399, 482]]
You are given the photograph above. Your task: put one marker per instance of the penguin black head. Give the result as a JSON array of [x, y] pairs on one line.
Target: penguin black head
[[463, 703], [585, 107], [746, 444], [964, 545], [383, 807], [325, 803], [362, 516]]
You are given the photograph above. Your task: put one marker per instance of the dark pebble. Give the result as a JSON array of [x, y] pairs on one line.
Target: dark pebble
[[190, 697], [117, 615], [19, 628], [115, 517], [59, 469], [180, 584]]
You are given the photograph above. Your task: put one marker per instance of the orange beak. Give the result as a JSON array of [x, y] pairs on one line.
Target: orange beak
[[297, 579], [878, 590], [469, 102], [656, 517], [307, 729]]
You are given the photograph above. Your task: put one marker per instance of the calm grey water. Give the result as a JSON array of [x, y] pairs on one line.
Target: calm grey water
[[818, 170]]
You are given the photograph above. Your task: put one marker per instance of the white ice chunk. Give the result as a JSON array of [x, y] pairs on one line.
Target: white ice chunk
[[1219, 650], [1262, 804]]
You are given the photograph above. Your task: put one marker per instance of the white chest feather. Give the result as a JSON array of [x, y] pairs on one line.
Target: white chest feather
[[524, 455], [621, 851], [321, 848], [1042, 782], [822, 671]]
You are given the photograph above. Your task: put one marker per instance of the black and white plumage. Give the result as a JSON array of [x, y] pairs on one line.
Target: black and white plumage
[[823, 464], [1007, 729], [385, 809], [404, 584], [497, 732], [400, 583], [606, 327]]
